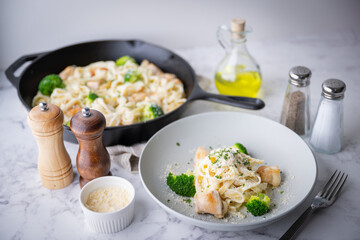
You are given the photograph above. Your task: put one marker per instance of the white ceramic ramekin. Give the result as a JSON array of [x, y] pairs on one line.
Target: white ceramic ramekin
[[108, 222]]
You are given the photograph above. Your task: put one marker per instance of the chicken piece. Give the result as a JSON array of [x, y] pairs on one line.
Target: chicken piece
[[93, 70], [66, 73], [168, 76], [209, 202], [94, 84], [200, 154], [137, 97], [73, 110], [177, 81], [153, 68], [270, 174]]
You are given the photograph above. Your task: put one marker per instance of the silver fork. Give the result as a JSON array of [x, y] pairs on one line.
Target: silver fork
[[325, 198]]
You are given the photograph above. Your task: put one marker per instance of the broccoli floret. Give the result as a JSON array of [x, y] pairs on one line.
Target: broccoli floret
[[49, 83], [121, 61], [132, 76], [152, 111], [92, 96], [241, 148], [258, 205], [182, 185]]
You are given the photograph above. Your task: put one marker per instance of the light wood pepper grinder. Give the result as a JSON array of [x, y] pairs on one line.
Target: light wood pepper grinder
[[93, 159], [54, 163]]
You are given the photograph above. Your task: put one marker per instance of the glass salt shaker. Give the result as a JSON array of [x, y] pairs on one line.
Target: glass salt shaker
[[296, 111], [327, 133]]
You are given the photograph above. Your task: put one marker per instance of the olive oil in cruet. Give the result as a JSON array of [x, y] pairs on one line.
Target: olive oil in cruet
[[237, 73]]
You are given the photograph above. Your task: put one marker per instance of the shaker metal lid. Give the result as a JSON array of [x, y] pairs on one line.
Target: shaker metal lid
[[333, 89], [88, 123], [300, 76], [86, 112], [43, 106], [44, 112], [45, 117]]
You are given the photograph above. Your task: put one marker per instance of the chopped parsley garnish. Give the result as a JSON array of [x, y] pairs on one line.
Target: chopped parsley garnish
[[168, 200], [178, 144], [246, 161], [188, 201], [218, 177], [282, 192]]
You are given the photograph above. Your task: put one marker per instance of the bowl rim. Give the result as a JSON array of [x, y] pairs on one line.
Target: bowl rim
[[104, 178], [218, 225]]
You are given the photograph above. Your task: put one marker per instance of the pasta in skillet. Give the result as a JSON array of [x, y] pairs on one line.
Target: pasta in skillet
[[120, 92]]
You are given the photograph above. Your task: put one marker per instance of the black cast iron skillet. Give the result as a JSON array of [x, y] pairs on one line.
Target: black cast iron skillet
[[83, 54]]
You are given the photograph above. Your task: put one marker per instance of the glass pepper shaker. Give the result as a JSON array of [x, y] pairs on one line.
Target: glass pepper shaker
[[327, 133], [296, 108]]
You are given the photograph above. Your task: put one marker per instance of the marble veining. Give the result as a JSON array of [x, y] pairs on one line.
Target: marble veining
[[29, 211]]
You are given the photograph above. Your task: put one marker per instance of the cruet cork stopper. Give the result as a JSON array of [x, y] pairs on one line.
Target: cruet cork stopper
[[237, 27], [93, 159], [54, 163]]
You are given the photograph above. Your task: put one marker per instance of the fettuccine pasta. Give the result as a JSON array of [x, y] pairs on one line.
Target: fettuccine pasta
[[122, 102], [225, 179]]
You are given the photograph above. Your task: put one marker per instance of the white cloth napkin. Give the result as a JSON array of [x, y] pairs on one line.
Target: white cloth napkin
[[126, 157]]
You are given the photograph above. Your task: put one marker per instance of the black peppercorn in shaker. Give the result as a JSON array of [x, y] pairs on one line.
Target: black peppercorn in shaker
[[296, 108]]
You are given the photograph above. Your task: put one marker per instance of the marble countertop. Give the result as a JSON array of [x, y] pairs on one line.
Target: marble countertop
[[30, 211]]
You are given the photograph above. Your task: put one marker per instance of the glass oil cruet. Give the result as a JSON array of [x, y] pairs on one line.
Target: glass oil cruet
[[237, 73]]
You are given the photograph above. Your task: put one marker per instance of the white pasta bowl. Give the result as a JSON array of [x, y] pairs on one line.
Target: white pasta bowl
[[113, 221], [173, 147]]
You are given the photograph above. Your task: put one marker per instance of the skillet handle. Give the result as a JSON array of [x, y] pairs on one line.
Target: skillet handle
[[242, 102], [10, 71]]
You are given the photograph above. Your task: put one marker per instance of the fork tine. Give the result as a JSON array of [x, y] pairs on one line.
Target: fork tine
[[338, 189], [335, 185], [332, 185], [327, 185]]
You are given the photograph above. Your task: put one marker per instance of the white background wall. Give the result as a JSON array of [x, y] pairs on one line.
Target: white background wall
[[29, 26]]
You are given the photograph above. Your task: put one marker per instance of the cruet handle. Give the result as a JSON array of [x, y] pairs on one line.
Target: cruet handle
[[220, 36]]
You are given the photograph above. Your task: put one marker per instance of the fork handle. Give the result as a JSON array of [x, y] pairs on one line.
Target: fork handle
[[290, 234]]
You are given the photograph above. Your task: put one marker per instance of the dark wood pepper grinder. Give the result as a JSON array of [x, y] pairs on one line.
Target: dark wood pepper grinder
[[93, 159]]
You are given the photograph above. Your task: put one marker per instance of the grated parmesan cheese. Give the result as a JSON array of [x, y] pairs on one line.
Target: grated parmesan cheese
[[109, 199]]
